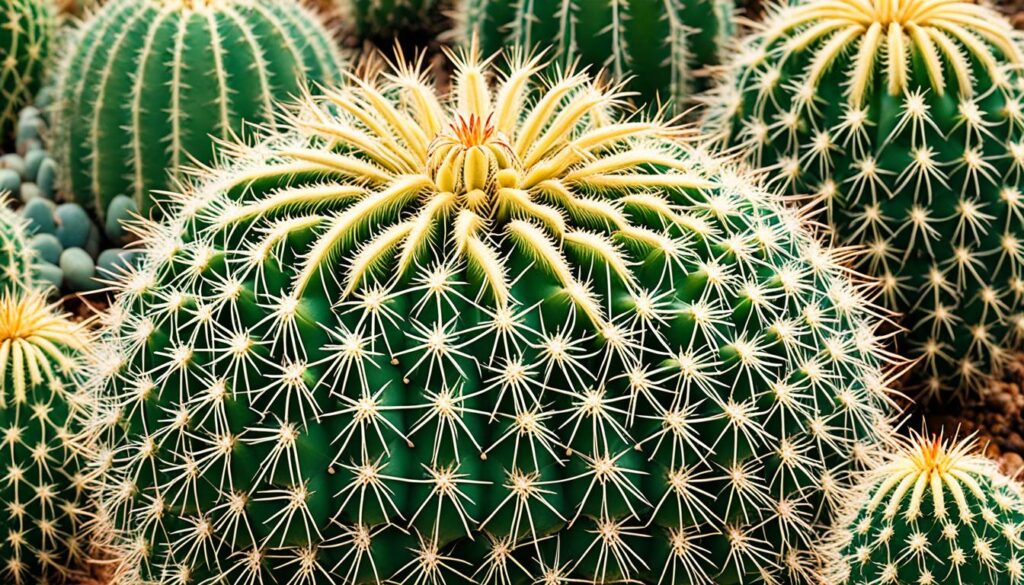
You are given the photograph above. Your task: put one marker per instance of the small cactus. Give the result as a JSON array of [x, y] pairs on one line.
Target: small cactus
[[16, 255], [511, 334], [387, 20], [26, 39], [152, 84], [906, 117], [935, 513], [661, 46], [43, 508]]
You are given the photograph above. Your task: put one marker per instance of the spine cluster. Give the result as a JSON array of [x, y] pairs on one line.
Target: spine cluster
[[152, 85]]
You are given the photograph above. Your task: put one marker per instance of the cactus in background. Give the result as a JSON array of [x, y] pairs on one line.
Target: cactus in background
[[934, 513], [907, 119], [659, 45], [511, 334], [43, 511], [152, 84], [15, 254], [386, 20], [26, 35]]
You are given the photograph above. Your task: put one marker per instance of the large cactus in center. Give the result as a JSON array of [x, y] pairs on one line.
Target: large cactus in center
[[659, 46], [43, 506], [508, 335], [906, 117], [152, 84]]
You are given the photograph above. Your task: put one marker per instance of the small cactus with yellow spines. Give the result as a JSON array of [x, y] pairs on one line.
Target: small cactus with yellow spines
[[906, 118], [44, 508], [935, 512]]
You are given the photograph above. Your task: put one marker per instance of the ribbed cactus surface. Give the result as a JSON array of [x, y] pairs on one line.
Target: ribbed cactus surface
[[15, 254], [507, 334], [906, 119], [152, 84], [388, 20], [936, 513], [658, 45], [43, 511], [27, 29]]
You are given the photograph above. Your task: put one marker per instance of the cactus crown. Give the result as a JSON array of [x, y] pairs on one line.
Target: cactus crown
[[893, 30], [30, 338], [470, 164], [936, 512]]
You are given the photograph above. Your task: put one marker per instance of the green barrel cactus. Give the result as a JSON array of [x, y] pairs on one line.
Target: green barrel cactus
[[26, 40], [16, 257], [507, 334], [934, 513], [152, 85], [906, 119], [43, 508], [388, 20], [662, 47]]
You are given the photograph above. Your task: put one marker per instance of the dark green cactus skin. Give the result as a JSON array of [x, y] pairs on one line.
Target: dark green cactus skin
[[151, 85], [978, 542], [387, 20], [946, 249], [26, 39], [43, 504], [257, 429], [16, 256], [659, 45]]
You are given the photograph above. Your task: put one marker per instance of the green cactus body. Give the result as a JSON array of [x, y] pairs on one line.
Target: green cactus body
[[43, 509], [384, 20], [507, 335], [918, 159], [935, 513], [153, 84], [659, 45], [26, 38], [16, 256]]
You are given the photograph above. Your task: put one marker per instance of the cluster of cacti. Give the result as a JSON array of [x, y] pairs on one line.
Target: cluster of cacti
[[26, 39], [934, 513], [388, 20], [906, 118], [152, 85], [511, 334], [43, 507], [658, 47], [15, 255]]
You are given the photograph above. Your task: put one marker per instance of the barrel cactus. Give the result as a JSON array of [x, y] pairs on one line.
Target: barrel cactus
[[153, 84], [660, 46], [43, 508], [16, 256], [388, 20], [507, 334], [26, 39], [906, 119], [936, 512]]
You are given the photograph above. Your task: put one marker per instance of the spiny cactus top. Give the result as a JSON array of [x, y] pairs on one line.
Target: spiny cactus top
[[43, 510], [510, 333], [936, 513], [906, 118], [16, 256], [151, 84], [26, 35], [658, 45]]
